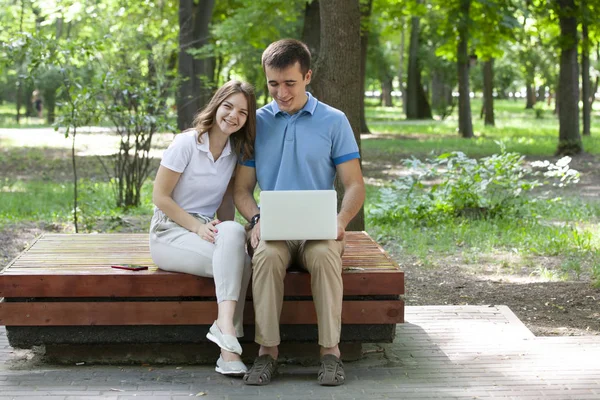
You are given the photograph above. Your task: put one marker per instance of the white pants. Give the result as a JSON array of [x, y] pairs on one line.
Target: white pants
[[174, 248]]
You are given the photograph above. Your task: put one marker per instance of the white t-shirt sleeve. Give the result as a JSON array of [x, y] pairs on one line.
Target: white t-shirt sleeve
[[178, 155]]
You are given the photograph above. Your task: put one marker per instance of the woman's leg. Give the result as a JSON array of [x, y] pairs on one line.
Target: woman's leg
[[174, 248], [231, 273]]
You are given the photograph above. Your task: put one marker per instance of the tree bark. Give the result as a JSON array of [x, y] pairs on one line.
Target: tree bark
[[488, 91], [336, 81], [541, 93], [569, 142], [386, 92], [465, 124], [365, 15], [585, 71], [311, 32], [195, 89], [401, 67], [529, 95], [417, 105]]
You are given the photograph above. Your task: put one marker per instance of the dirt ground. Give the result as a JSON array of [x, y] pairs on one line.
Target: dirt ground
[[547, 308]]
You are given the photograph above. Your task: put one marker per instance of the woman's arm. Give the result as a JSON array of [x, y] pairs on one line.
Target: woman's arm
[[164, 184], [226, 211]]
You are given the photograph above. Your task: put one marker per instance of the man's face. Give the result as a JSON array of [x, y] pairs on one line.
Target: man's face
[[288, 87]]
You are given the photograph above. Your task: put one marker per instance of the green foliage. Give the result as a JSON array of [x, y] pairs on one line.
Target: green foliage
[[51, 202], [135, 103], [453, 185]]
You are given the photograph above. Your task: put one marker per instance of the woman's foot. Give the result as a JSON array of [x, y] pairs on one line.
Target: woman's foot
[[231, 368], [225, 341], [230, 356]]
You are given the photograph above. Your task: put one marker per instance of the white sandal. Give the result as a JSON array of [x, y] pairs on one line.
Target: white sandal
[[226, 342]]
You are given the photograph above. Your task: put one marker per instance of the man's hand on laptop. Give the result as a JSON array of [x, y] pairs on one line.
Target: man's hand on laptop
[[255, 235]]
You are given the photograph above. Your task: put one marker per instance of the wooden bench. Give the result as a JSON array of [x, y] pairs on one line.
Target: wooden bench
[[62, 290]]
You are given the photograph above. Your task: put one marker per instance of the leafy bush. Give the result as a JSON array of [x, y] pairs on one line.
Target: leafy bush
[[454, 185]]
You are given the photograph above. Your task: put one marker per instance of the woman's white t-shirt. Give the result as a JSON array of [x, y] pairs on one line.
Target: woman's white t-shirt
[[203, 180]]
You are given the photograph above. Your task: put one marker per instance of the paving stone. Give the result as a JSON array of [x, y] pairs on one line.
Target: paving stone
[[442, 352]]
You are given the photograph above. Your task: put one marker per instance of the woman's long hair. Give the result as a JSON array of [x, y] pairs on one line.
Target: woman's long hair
[[243, 140]]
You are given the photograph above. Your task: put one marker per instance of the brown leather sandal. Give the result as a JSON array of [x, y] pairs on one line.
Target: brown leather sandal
[[262, 371], [331, 372]]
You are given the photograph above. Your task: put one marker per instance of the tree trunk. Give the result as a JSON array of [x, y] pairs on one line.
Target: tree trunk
[[465, 124], [401, 68], [311, 33], [585, 71], [337, 79], [541, 93], [386, 92], [204, 67], [529, 95], [569, 142], [441, 95], [365, 15], [412, 84], [488, 91], [194, 90], [417, 105], [19, 99]]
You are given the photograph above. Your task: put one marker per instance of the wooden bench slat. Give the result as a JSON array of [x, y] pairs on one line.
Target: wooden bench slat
[[181, 313], [78, 265], [166, 284]]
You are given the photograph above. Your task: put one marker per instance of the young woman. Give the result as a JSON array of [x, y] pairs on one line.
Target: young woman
[[194, 182]]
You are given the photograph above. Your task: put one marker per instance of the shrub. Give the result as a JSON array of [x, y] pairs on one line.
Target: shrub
[[453, 185]]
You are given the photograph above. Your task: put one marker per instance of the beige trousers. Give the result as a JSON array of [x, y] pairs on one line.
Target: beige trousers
[[174, 248], [323, 260]]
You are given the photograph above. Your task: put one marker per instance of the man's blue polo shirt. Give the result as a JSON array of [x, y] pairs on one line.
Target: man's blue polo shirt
[[301, 151]]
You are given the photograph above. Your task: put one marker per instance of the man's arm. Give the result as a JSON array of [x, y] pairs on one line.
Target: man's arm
[[243, 191], [351, 177], [243, 197], [226, 211]]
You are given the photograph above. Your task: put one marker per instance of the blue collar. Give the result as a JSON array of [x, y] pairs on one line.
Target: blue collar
[[309, 107]]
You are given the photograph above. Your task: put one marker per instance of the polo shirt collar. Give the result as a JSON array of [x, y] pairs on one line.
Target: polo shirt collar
[[205, 145], [309, 107]]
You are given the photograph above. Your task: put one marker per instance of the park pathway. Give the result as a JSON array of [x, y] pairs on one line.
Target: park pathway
[[442, 352]]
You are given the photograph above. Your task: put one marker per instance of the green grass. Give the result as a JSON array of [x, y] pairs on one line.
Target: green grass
[[53, 202], [518, 128], [8, 118]]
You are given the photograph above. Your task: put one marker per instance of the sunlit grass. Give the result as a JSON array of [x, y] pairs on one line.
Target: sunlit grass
[[53, 202]]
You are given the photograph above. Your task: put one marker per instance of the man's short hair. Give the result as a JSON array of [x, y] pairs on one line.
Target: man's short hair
[[285, 53]]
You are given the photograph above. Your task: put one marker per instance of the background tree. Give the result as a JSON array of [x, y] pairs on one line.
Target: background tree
[[365, 27], [195, 72], [417, 104], [465, 124], [336, 79], [569, 141]]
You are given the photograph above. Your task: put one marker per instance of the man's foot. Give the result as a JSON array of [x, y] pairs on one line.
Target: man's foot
[[331, 372], [262, 371]]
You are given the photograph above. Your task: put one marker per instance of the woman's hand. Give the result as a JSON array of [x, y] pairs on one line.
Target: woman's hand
[[209, 230]]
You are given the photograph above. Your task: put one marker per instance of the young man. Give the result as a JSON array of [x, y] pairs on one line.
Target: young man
[[301, 144]]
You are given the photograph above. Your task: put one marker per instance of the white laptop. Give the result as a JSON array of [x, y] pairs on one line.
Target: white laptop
[[298, 215]]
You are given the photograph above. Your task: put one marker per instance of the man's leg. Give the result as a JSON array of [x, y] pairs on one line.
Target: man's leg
[[269, 264], [323, 260]]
